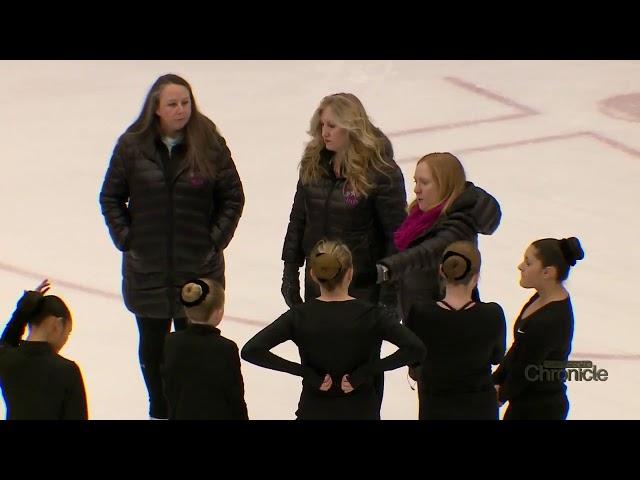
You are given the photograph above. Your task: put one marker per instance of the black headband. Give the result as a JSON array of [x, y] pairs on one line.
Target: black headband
[[466, 260], [200, 299]]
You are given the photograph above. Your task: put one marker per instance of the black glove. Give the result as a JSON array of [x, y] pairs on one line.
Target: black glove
[[291, 284], [389, 295]]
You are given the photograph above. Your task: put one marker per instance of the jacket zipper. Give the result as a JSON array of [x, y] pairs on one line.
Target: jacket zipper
[[326, 208], [170, 219]]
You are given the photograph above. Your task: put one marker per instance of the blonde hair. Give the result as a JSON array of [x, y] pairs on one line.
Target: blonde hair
[[330, 261], [364, 151], [461, 261], [448, 175], [193, 292]]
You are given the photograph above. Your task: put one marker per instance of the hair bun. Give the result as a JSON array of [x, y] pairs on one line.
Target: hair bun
[[325, 266], [571, 250], [455, 266], [193, 293]]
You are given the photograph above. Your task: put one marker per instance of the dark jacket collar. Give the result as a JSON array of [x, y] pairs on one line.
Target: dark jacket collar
[[36, 348], [151, 146], [203, 329]]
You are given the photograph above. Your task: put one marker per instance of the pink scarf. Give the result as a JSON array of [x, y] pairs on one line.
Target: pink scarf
[[414, 225]]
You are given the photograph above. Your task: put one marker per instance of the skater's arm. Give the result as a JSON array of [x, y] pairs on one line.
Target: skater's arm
[[411, 350], [497, 353], [257, 350], [235, 392], [75, 403], [532, 349], [25, 309]]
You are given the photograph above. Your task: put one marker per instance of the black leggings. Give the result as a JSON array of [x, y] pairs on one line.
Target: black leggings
[[152, 333]]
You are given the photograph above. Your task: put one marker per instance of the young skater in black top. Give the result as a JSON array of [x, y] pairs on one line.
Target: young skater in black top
[[535, 388], [201, 368], [463, 339], [37, 383], [339, 339]]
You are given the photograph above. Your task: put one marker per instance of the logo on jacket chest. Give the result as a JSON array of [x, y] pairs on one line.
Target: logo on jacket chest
[[351, 198], [196, 180]]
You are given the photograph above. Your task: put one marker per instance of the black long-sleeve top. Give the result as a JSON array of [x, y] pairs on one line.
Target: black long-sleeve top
[[544, 335], [336, 338], [202, 376], [461, 346], [36, 382]]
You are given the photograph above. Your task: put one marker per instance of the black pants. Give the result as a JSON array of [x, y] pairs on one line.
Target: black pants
[[458, 406], [152, 333], [553, 406]]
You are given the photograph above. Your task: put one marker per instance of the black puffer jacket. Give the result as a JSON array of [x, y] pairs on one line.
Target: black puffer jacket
[[416, 269], [175, 225], [366, 225]]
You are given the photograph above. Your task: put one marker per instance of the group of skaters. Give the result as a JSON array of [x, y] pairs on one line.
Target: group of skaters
[[375, 269]]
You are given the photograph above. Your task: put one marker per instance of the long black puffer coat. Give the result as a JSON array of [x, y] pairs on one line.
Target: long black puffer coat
[[171, 224]]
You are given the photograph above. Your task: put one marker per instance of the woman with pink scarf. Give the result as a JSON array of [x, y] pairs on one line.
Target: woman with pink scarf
[[447, 208]]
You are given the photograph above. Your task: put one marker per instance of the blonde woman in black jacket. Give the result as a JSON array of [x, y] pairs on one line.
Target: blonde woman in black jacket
[[350, 189]]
